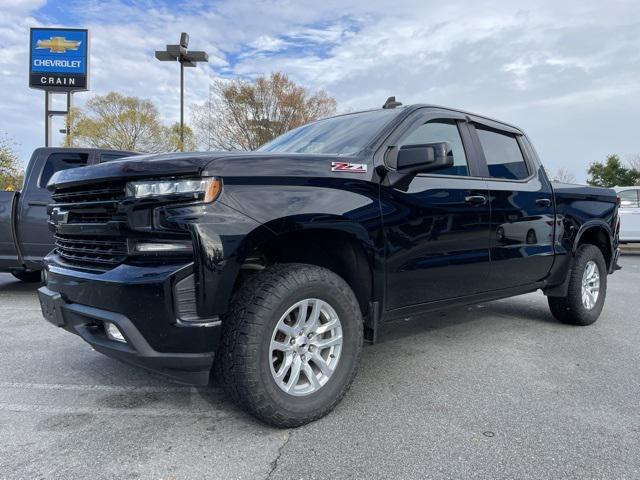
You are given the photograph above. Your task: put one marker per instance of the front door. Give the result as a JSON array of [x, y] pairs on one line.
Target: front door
[[437, 232]]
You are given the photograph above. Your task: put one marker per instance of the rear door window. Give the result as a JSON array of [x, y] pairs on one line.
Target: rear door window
[[629, 199], [503, 155], [61, 161]]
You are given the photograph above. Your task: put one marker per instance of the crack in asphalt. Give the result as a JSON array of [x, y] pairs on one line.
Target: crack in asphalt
[[274, 462]]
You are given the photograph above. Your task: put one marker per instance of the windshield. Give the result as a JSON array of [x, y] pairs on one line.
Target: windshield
[[343, 135]]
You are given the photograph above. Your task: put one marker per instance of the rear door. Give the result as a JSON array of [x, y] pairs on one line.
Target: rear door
[[521, 204], [629, 214], [437, 231], [36, 239]]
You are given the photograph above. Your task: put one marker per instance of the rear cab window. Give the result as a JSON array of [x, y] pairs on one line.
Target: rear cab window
[[61, 161], [108, 157], [503, 154]]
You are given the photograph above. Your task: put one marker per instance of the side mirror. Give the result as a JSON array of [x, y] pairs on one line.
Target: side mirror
[[409, 160]]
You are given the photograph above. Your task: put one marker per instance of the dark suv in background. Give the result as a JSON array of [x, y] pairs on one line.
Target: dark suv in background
[[25, 237]]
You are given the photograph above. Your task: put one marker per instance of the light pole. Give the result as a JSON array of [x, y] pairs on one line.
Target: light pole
[[187, 59]]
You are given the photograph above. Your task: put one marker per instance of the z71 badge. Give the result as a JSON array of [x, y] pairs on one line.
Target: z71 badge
[[349, 167]]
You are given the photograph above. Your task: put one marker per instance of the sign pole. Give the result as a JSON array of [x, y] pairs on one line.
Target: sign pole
[[69, 104], [47, 118]]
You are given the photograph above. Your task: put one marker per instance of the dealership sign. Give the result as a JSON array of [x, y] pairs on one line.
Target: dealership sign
[[59, 59]]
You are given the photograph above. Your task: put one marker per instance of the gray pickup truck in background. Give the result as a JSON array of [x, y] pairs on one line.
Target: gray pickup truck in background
[[24, 231]]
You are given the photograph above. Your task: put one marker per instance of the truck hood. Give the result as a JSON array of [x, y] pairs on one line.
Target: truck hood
[[235, 164]]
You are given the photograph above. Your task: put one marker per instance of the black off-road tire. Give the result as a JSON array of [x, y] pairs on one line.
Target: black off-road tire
[[28, 276], [242, 361], [570, 309]]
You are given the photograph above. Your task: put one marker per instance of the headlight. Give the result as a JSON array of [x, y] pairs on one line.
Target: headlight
[[209, 187]]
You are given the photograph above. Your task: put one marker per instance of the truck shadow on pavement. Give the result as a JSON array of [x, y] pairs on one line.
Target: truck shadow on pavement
[[16, 286], [117, 387]]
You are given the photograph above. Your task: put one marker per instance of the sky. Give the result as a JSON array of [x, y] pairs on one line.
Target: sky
[[567, 72]]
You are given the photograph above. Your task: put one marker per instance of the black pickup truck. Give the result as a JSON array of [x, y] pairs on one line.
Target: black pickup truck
[[269, 268], [24, 234]]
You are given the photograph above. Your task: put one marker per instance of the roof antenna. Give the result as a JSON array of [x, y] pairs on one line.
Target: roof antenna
[[391, 103]]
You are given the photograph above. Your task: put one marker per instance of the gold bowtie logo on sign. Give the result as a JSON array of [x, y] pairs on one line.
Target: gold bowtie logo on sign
[[58, 44]]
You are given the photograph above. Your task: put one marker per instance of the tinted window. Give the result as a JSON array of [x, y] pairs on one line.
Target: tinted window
[[628, 198], [61, 161], [343, 135], [441, 131], [107, 157], [503, 154]]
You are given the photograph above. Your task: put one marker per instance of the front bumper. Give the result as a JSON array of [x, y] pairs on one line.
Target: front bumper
[[139, 301]]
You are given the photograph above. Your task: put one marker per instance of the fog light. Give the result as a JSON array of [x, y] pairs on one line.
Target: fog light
[[113, 332]]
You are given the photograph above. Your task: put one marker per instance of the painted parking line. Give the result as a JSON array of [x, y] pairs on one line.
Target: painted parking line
[[106, 388], [117, 412]]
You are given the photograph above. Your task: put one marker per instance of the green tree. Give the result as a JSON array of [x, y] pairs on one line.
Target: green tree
[[241, 115], [119, 122], [11, 171], [612, 173], [172, 139]]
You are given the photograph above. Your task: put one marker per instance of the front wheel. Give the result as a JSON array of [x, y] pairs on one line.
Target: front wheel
[[587, 289], [290, 344]]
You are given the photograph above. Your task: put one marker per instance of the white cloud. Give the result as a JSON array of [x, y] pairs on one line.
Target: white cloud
[[533, 63]]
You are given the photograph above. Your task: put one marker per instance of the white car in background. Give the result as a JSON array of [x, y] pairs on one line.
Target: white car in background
[[629, 213]]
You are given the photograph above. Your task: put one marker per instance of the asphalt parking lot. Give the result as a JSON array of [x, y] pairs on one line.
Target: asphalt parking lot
[[498, 390]]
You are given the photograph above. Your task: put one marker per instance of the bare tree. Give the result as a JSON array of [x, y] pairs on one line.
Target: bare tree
[[241, 115], [634, 161], [11, 171], [119, 122], [564, 176]]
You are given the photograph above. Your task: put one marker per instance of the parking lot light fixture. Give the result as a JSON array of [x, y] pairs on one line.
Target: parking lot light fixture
[[179, 53]]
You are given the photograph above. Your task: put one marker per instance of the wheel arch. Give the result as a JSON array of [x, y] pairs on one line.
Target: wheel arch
[[598, 233], [330, 241], [594, 232]]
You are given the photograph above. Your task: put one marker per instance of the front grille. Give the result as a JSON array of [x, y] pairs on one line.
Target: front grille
[[98, 193], [106, 251], [94, 226], [102, 215]]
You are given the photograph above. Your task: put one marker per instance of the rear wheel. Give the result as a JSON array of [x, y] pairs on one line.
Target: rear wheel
[[587, 289], [28, 276], [290, 344]]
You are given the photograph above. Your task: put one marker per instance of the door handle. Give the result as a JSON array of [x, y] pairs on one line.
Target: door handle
[[543, 202], [36, 203], [476, 199]]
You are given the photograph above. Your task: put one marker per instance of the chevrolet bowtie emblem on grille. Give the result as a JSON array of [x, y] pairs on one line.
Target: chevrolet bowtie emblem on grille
[[58, 217], [58, 44]]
